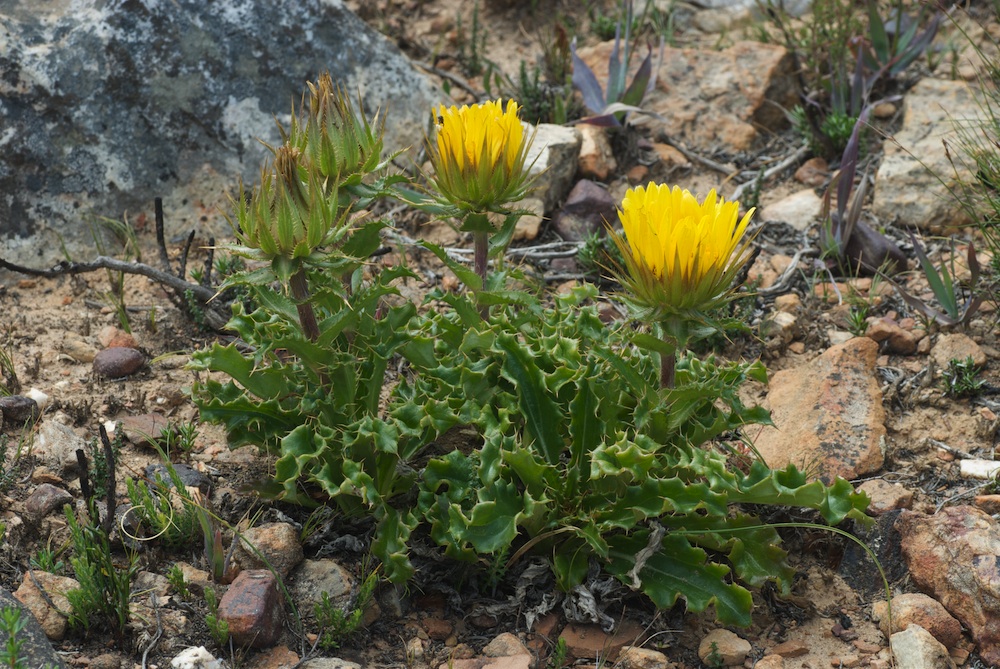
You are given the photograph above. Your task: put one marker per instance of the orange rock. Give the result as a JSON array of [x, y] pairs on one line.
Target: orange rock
[[952, 556], [589, 641], [814, 172], [828, 415]]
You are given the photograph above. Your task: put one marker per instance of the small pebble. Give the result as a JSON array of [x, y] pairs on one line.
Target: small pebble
[[867, 647], [112, 337], [959, 656], [189, 476], [42, 400], [790, 649], [884, 110], [77, 349], [46, 498], [18, 410], [117, 363], [814, 172], [637, 174]]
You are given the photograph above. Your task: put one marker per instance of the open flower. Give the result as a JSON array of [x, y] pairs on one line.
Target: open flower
[[681, 255], [479, 156]]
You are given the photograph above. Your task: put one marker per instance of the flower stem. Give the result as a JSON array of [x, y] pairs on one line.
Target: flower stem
[[307, 317], [674, 333], [668, 367], [481, 240]]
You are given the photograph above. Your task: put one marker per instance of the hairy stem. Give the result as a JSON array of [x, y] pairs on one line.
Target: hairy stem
[[668, 368], [307, 317], [673, 331], [481, 240]]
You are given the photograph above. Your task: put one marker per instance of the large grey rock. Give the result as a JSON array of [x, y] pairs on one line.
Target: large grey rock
[[105, 104]]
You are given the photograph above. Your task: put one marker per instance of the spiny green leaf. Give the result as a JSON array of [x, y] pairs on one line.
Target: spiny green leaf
[[533, 471], [570, 564], [586, 429], [365, 240], [450, 476], [681, 570], [620, 457], [391, 534], [265, 383], [247, 421], [492, 525], [753, 547], [541, 415]]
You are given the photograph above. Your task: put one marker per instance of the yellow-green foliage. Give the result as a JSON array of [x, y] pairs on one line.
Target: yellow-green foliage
[[574, 450]]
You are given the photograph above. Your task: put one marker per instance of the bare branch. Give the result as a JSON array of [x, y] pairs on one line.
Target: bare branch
[[214, 313]]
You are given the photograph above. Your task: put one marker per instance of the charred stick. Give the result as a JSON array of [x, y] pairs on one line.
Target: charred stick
[[115, 265], [161, 241], [217, 317], [206, 280], [108, 523], [81, 459], [184, 255]]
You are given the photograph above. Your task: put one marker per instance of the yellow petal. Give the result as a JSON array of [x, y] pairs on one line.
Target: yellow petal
[[480, 154], [681, 248]]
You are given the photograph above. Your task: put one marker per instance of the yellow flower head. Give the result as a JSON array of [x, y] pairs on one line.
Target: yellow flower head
[[681, 255], [479, 155]]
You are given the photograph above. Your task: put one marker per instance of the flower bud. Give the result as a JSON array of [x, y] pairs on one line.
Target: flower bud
[[289, 216]]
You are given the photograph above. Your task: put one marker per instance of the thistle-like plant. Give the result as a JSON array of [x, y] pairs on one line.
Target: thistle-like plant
[[286, 222], [312, 361], [479, 158], [579, 450], [343, 146], [328, 167], [681, 260], [585, 461]]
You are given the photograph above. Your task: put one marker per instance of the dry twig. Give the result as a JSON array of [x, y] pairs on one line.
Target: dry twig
[[215, 317]]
